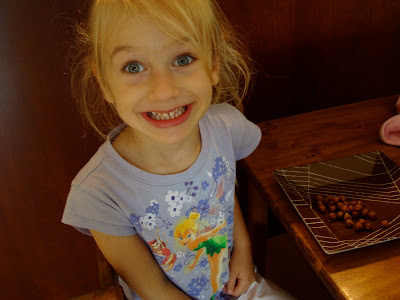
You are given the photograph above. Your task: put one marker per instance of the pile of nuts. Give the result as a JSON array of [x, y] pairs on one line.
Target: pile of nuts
[[353, 213]]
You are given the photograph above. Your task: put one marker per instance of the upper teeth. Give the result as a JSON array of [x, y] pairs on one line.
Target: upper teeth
[[167, 116]]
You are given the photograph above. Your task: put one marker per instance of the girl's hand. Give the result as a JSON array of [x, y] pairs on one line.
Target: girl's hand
[[241, 272]]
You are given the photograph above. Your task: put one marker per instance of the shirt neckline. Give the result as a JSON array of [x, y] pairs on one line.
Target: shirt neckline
[[156, 179]]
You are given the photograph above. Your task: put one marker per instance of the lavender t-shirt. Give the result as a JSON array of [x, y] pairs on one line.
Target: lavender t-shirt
[[177, 215]]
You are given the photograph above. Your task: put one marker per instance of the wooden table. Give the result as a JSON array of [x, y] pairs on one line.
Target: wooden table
[[367, 273]]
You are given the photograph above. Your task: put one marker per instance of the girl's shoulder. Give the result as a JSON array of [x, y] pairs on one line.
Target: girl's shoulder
[[105, 160], [229, 123], [224, 114], [91, 166], [223, 109]]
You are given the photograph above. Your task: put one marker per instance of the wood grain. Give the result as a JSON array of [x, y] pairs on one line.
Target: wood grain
[[42, 149], [317, 54], [342, 131]]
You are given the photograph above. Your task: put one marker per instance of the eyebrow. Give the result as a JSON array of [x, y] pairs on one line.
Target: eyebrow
[[128, 48], [120, 49]]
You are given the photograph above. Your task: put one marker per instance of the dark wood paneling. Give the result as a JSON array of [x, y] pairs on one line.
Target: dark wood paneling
[[316, 54], [41, 151]]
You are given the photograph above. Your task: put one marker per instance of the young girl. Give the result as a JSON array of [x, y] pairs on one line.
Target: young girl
[[159, 195]]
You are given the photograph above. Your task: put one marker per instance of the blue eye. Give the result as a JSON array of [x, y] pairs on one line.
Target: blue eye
[[134, 68], [189, 235], [183, 60], [180, 238]]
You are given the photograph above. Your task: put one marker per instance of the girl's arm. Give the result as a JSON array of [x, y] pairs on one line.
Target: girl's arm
[[241, 267], [133, 261]]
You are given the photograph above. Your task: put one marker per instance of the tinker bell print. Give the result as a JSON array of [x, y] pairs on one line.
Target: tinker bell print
[[159, 247], [214, 245]]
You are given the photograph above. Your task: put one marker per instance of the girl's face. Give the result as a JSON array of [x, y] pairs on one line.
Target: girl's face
[[158, 85]]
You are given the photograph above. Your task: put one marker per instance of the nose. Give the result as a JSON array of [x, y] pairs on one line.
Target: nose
[[163, 86]]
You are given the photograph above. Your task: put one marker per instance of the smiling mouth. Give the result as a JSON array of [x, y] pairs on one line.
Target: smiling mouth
[[162, 116], [168, 118]]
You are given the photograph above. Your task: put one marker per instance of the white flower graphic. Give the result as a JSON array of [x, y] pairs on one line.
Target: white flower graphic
[[182, 198], [152, 202], [172, 197], [188, 198], [148, 221], [174, 210]]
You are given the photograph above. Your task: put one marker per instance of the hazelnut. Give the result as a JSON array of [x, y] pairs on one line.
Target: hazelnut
[[359, 226], [372, 215], [355, 214], [322, 208], [340, 214], [347, 216], [385, 224], [349, 223], [368, 226], [352, 212], [358, 207], [332, 216]]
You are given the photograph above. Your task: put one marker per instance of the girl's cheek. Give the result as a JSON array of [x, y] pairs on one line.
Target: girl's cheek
[[136, 78]]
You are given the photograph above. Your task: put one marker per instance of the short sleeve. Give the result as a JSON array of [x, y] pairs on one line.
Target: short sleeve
[[85, 211], [245, 134]]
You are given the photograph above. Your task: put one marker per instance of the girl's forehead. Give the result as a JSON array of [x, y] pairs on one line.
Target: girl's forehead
[[132, 34]]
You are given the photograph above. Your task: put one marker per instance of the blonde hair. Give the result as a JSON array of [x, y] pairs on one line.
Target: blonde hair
[[201, 21], [189, 223]]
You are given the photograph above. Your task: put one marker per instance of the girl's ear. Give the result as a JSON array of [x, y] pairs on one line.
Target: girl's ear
[[215, 70]]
